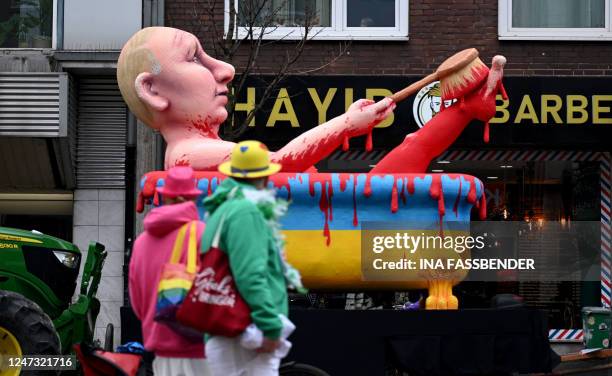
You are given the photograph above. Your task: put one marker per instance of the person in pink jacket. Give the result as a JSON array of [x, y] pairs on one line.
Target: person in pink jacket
[[174, 354]]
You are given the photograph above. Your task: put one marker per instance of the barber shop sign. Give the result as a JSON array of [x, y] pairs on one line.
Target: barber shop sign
[[303, 102]]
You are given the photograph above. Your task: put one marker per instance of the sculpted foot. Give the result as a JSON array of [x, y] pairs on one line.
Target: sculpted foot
[[441, 296]]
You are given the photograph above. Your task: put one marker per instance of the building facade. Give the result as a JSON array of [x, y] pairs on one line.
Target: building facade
[[68, 143], [71, 154]]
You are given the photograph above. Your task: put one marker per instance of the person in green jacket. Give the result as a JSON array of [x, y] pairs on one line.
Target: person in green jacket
[[251, 237]]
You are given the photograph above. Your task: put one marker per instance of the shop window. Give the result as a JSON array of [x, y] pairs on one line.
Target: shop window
[[326, 19], [554, 19], [562, 193], [26, 23]]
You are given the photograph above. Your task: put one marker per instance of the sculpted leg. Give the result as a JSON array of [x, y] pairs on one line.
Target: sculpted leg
[[419, 148]]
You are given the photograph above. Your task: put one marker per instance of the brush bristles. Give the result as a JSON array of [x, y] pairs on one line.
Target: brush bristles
[[463, 81]]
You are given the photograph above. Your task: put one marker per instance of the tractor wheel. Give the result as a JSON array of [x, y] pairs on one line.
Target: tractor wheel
[[24, 330]]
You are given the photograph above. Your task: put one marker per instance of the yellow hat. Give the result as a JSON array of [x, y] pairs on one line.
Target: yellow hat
[[250, 159]]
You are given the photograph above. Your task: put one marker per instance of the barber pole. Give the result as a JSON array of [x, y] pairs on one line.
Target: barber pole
[[565, 335], [606, 233]]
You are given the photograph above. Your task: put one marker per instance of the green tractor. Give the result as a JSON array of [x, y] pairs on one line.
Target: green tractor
[[38, 275]]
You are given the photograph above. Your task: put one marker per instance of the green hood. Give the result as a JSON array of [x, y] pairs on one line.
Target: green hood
[[212, 202], [265, 200]]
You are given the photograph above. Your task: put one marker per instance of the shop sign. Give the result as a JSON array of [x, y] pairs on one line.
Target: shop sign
[[303, 102]]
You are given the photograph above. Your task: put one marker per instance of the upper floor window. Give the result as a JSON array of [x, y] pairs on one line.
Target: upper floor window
[[555, 19], [26, 23], [325, 19]]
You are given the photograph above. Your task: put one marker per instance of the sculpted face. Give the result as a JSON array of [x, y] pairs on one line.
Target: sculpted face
[[187, 85]]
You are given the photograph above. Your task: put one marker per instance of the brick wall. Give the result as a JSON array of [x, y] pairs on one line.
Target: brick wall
[[437, 28]]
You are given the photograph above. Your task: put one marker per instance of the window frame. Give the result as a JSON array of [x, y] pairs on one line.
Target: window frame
[[54, 25], [338, 29], [507, 32], [54, 33]]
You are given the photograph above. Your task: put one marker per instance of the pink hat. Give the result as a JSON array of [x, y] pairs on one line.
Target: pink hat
[[180, 181]]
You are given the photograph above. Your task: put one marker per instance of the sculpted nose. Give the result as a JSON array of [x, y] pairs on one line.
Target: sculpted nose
[[224, 72]]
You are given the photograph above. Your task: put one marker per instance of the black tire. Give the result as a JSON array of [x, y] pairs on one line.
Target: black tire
[[31, 327], [299, 369]]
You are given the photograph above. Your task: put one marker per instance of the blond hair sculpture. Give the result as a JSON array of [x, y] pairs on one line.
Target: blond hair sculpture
[[135, 58]]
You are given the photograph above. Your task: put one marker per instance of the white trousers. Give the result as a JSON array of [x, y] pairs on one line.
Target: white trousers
[[226, 357], [163, 366]]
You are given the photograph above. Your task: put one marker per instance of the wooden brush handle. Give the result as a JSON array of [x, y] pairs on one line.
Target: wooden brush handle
[[408, 91]]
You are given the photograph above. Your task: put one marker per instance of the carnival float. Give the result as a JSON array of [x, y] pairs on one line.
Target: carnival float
[[323, 226]]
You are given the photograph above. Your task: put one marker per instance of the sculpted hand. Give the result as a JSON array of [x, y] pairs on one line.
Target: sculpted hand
[[364, 114]]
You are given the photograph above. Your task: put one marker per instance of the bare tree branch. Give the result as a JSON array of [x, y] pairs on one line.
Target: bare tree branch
[[249, 31], [343, 50]]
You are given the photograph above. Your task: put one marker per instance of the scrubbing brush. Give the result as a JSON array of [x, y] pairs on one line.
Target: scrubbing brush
[[458, 75]]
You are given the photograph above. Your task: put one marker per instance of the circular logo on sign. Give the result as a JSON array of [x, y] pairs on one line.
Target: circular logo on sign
[[427, 103]]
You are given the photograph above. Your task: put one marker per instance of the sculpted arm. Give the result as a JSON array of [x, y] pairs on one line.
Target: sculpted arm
[[310, 147]]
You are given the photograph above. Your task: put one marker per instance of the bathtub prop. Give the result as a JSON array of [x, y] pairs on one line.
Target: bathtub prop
[[324, 222]]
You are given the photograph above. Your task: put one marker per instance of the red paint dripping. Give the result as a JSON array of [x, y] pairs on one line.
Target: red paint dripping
[[181, 162], [355, 219], [156, 199], [324, 207], [486, 132], [282, 183], [140, 202], [471, 197], [204, 128], [410, 185], [148, 189], [311, 187], [436, 192], [456, 206], [482, 210], [300, 177], [345, 143], [330, 193], [368, 145], [209, 191], [367, 190], [402, 195], [394, 198], [343, 180], [325, 199]]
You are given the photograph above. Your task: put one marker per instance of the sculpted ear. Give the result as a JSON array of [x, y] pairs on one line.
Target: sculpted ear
[[145, 89]]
